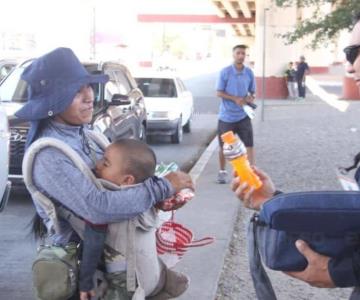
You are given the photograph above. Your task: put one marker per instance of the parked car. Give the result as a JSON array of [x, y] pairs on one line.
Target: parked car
[[4, 159], [119, 109], [6, 65], [169, 106]]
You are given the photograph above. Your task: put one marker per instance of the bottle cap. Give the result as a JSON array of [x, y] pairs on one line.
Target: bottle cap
[[228, 137]]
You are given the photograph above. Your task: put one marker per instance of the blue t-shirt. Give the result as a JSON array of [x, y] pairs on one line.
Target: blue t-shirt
[[235, 83]]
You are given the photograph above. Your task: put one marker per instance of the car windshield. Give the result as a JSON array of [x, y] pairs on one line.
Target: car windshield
[[14, 89], [157, 87]]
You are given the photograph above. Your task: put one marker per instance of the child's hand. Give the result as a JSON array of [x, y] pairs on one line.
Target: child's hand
[[169, 205], [87, 295], [176, 202]]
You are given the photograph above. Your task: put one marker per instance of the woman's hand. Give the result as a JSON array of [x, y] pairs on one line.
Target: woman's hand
[[317, 272], [180, 181], [254, 198]]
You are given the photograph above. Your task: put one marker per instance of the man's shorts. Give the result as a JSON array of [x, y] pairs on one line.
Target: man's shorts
[[242, 128]]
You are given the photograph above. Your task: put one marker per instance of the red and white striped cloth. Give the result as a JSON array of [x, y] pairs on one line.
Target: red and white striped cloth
[[174, 238]]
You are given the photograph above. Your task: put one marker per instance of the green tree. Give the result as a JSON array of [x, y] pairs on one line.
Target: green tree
[[323, 28]]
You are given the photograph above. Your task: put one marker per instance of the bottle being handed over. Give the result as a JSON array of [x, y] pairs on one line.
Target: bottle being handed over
[[235, 151]]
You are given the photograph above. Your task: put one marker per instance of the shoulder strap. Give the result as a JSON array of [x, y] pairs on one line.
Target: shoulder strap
[[98, 138], [261, 281]]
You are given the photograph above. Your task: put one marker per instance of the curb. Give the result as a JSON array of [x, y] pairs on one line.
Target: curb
[[326, 97], [200, 165]]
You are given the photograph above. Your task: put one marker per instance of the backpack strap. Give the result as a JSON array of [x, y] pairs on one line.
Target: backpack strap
[[261, 281]]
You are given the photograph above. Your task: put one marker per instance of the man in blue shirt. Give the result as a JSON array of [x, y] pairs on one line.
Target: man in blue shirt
[[301, 72], [236, 88]]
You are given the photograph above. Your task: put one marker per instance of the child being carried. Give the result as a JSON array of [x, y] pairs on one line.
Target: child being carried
[[124, 164]]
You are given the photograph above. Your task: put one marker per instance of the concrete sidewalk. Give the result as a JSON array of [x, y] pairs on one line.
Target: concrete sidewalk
[[211, 213]]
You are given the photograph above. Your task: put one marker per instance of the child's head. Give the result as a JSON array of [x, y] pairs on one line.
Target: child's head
[[127, 162]]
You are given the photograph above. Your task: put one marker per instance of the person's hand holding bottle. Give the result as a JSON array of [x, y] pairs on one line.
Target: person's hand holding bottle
[[249, 196]]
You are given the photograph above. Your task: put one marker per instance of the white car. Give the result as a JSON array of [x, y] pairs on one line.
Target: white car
[[169, 106], [4, 159]]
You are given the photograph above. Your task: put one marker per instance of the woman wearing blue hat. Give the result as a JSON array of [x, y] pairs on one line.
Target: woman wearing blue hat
[[60, 105]]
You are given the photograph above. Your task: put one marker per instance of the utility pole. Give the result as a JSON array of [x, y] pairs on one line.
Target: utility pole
[[93, 33], [263, 68]]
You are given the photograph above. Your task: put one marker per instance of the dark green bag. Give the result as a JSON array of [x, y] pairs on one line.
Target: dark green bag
[[55, 272]]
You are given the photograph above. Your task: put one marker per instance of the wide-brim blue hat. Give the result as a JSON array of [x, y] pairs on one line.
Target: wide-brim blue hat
[[53, 81]]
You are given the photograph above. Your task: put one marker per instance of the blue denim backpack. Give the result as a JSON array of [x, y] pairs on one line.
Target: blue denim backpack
[[328, 221]]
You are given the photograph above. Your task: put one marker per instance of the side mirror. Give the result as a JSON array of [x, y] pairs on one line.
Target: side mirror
[[118, 100]]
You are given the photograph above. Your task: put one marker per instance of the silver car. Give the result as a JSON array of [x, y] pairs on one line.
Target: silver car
[[4, 159]]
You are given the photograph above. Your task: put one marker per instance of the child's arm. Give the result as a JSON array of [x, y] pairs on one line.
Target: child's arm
[[93, 246]]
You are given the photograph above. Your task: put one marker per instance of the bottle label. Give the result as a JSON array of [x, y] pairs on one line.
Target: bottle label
[[234, 150]]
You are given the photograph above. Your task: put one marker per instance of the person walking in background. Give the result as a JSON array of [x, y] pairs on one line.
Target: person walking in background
[[301, 72], [290, 78], [236, 88]]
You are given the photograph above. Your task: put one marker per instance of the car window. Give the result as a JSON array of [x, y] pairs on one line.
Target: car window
[[157, 87], [117, 84], [131, 79], [5, 69], [14, 89], [98, 103]]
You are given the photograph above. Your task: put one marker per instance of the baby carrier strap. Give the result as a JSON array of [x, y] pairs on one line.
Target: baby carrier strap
[[98, 138], [28, 164], [27, 168], [261, 281]]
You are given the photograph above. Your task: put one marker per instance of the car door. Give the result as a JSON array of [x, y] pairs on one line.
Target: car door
[[122, 118], [186, 100]]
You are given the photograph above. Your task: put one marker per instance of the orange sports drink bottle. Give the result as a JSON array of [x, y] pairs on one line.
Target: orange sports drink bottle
[[235, 151]]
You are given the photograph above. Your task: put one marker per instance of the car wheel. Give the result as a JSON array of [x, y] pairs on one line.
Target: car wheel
[[187, 126], [177, 137]]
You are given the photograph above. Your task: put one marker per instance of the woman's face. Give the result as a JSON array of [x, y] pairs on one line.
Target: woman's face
[[81, 109], [355, 67]]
